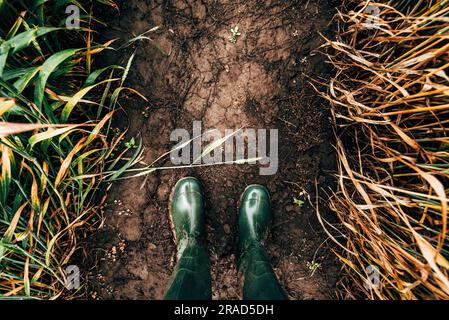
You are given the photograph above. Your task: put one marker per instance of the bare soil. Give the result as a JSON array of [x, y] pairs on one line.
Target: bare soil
[[191, 71]]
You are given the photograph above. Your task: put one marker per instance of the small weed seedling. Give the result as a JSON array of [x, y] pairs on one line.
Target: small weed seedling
[[313, 266], [298, 202], [235, 33], [131, 144]]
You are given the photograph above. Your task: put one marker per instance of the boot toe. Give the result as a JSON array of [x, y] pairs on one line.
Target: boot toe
[[187, 185], [255, 214], [256, 192], [187, 209]]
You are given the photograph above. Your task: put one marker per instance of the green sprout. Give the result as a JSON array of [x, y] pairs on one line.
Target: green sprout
[[298, 202], [313, 266], [235, 33], [131, 144]]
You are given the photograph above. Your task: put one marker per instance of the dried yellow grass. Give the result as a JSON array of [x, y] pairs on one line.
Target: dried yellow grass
[[390, 103]]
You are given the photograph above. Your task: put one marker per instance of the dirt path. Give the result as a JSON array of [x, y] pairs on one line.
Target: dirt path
[[261, 81]]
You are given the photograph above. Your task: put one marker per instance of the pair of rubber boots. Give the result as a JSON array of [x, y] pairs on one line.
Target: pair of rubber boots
[[191, 279]]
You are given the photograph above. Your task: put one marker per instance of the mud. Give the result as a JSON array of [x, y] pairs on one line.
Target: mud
[[190, 70]]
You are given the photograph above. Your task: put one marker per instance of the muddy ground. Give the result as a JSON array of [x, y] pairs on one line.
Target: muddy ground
[[190, 70]]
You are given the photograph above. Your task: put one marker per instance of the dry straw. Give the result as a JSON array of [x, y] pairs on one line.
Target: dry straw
[[390, 101]]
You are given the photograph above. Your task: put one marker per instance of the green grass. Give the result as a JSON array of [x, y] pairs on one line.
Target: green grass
[[56, 111]]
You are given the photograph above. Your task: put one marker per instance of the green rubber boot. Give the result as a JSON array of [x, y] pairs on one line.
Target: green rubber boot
[[191, 278], [259, 280]]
